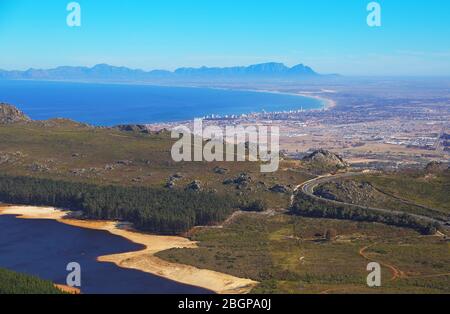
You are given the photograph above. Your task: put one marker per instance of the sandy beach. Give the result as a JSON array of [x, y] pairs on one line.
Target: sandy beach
[[329, 103], [144, 260]]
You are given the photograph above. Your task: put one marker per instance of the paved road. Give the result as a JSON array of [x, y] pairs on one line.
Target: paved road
[[309, 186]]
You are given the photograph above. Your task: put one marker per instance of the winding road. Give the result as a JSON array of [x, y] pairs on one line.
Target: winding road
[[308, 187]]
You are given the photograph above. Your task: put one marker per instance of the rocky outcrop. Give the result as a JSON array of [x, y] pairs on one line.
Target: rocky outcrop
[[170, 184], [10, 158], [62, 123], [171, 181], [220, 170], [353, 192], [10, 114], [176, 176], [194, 186], [279, 188], [436, 167], [241, 181], [326, 158], [138, 128], [124, 162]]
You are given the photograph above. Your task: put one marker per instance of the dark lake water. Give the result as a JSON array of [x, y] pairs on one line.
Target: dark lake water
[[45, 247], [112, 104]]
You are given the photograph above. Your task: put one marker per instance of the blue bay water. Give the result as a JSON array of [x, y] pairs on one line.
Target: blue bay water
[[112, 104]]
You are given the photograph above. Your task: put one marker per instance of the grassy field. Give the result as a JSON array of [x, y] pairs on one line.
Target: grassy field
[[289, 254]]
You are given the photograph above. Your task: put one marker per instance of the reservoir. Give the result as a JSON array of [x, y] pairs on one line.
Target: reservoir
[[45, 247]]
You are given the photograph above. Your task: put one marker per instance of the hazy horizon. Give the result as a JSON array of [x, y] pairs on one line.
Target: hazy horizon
[[329, 37], [340, 76]]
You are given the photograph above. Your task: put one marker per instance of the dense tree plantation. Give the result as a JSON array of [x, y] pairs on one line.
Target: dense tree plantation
[[16, 283], [308, 206], [150, 209]]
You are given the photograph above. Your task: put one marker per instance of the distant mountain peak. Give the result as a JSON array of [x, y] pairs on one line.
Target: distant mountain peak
[[261, 69], [301, 68], [106, 72]]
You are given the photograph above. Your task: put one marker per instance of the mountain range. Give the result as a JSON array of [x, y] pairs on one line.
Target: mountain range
[[105, 72]]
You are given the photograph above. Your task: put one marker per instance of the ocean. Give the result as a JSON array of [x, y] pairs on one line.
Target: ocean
[[111, 104]]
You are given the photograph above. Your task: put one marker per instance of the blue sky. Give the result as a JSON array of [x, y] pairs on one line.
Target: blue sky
[[331, 36]]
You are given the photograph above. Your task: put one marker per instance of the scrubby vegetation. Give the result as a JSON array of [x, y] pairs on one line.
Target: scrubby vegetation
[[253, 205], [429, 190], [150, 209], [112, 174], [291, 254], [306, 205], [360, 192], [16, 283], [64, 150]]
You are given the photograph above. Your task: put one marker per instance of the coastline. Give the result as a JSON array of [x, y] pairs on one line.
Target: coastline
[[145, 259], [325, 103], [328, 103]]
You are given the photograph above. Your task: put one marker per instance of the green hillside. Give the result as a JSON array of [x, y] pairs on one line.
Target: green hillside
[[16, 283], [130, 175], [291, 254]]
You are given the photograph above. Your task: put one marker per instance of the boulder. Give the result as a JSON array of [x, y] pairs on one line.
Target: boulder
[[194, 186], [279, 188], [220, 170]]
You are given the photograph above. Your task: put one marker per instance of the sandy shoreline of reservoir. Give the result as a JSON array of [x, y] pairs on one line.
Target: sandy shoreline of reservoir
[[144, 260]]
